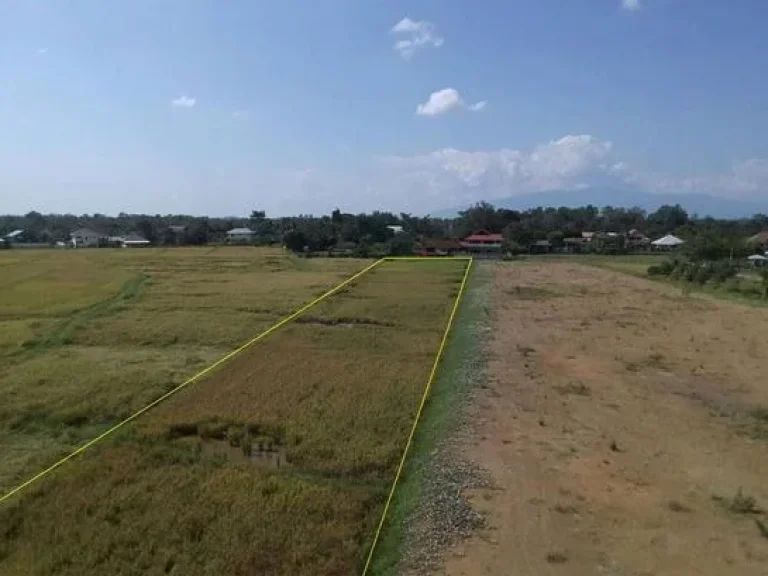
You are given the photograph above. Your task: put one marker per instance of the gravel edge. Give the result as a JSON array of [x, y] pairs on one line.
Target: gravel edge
[[444, 516]]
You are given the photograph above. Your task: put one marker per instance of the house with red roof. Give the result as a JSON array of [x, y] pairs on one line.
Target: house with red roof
[[482, 241]]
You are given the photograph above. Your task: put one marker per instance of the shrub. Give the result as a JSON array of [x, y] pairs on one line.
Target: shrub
[[723, 270], [677, 271], [732, 285], [764, 276], [702, 274], [688, 271], [664, 268]]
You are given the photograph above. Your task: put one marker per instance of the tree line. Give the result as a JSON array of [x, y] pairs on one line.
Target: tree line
[[370, 232]]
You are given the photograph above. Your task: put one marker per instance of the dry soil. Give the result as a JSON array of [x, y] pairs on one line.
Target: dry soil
[[622, 426]]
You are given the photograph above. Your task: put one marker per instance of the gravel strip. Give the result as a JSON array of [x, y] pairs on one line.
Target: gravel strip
[[444, 516]]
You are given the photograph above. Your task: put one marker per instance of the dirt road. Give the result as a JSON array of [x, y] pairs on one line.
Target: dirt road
[[622, 427]]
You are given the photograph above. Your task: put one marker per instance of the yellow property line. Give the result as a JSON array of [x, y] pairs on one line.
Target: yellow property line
[[194, 378], [436, 258], [424, 397]]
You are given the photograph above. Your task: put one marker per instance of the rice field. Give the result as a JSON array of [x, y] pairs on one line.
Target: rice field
[[276, 463]]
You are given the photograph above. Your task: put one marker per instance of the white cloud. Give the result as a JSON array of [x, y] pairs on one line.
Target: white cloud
[[747, 179], [42, 51], [448, 177], [564, 163], [445, 100], [631, 5], [440, 102], [183, 102], [413, 35], [240, 114]]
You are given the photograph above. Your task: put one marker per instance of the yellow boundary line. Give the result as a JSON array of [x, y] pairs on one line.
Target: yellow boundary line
[[189, 381], [424, 397], [435, 258]]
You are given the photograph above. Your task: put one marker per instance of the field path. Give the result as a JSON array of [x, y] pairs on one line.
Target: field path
[[624, 427]]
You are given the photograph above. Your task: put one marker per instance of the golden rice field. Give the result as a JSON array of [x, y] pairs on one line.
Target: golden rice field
[[276, 463]]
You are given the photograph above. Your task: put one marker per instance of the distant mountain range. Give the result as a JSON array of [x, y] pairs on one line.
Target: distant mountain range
[[700, 204]]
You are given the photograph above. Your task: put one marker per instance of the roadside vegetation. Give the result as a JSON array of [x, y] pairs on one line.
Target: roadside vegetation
[[276, 463]]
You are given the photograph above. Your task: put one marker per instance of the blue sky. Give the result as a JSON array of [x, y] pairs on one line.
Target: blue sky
[[296, 107]]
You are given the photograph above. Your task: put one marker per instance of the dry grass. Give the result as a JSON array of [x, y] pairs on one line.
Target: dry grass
[[335, 394], [88, 336], [341, 396]]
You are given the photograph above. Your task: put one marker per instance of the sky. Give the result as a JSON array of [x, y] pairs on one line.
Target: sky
[[221, 107]]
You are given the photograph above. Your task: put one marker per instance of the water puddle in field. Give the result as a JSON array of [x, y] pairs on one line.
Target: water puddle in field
[[273, 458]]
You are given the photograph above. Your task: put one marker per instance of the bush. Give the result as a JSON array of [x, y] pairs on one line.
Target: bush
[[702, 274], [764, 276], [732, 285], [723, 270], [664, 268], [677, 271], [688, 271]]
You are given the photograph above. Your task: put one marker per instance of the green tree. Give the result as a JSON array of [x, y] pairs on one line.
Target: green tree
[[197, 232], [295, 241], [481, 216], [146, 228], [401, 245], [667, 219]]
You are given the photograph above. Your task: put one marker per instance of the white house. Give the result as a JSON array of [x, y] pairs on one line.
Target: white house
[[15, 236], [134, 241], [758, 260], [395, 229], [86, 238], [668, 241], [240, 235]]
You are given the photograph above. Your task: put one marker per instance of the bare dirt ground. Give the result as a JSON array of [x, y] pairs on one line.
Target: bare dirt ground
[[622, 426]]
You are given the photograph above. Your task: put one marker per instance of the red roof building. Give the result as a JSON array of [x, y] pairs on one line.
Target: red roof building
[[483, 240]]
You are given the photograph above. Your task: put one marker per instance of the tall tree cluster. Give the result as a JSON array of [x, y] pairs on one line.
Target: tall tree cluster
[[363, 232]]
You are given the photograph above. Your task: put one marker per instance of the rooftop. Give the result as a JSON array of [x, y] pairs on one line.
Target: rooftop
[[759, 238], [87, 232], [136, 239], [484, 236]]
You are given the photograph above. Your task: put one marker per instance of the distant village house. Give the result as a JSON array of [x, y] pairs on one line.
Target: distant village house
[[134, 241], [240, 235], [439, 247], [483, 241], [86, 238], [759, 241], [668, 242]]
